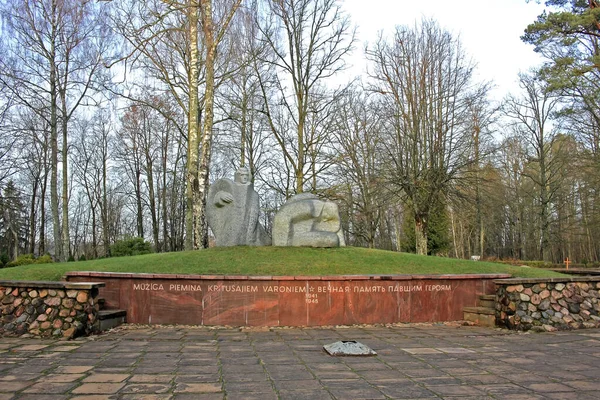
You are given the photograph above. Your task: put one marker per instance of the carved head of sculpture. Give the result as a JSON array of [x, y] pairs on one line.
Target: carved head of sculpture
[[242, 176]]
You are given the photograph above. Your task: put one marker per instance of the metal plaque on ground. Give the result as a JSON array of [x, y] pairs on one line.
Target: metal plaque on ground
[[348, 348]]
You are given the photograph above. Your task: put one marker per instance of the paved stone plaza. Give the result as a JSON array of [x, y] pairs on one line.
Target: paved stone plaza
[[413, 362]]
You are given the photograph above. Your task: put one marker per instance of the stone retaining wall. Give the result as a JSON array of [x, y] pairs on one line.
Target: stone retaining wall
[[48, 309], [548, 304]]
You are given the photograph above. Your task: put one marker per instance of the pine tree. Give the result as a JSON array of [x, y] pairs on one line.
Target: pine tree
[[12, 221], [568, 36]]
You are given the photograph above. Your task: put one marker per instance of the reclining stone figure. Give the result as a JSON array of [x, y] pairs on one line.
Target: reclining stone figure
[[306, 220]]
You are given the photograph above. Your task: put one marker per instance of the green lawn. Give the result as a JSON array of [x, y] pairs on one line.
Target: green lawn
[[273, 261]]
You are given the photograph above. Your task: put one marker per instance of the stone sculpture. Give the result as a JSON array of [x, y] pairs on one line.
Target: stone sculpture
[[232, 211], [306, 220]]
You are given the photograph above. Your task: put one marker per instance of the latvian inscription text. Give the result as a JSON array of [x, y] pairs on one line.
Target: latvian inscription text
[[172, 287], [306, 289]]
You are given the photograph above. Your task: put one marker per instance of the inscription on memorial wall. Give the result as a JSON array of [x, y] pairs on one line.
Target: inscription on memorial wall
[[308, 289], [289, 301], [170, 287]]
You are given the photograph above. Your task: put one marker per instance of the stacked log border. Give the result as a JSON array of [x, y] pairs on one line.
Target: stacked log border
[[548, 304], [48, 309]]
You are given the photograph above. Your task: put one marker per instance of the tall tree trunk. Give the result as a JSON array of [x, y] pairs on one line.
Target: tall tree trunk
[[151, 194], [163, 193], [421, 234], [481, 239], [211, 54], [94, 238], [478, 200], [32, 216], [198, 177], [66, 242], [522, 250], [192, 184], [244, 127], [544, 251], [464, 244], [453, 232], [15, 242], [300, 133], [165, 215], [42, 239], [138, 195], [398, 223], [104, 206], [177, 225], [54, 141]]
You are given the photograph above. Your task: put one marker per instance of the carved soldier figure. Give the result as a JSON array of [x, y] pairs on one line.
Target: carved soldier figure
[[232, 211]]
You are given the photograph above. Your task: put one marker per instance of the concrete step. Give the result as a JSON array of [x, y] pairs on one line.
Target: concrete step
[[482, 316], [480, 310], [487, 300], [108, 319]]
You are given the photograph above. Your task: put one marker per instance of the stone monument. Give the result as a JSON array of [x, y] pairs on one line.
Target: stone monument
[[306, 220], [232, 211]]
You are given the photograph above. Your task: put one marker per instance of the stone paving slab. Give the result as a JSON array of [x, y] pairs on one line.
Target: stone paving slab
[[414, 361]]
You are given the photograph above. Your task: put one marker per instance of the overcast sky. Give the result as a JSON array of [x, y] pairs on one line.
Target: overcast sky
[[489, 30]]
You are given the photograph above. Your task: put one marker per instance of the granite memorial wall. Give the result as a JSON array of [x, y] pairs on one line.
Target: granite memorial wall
[[289, 300]]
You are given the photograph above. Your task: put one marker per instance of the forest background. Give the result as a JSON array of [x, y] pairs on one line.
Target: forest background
[[116, 115]]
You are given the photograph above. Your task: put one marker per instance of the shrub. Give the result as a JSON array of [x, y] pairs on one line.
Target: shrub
[[130, 247], [3, 260], [25, 259], [45, 259]]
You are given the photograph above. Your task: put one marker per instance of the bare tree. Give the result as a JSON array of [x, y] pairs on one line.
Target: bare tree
[[90, 162], [482, 117], [531, 113], [166, 35], [309, 41], [424, 79], [54, 51], [244, 139], [35, 169], [213, 33], [358, 165], [7, 139], [512, 160], [134, 126]]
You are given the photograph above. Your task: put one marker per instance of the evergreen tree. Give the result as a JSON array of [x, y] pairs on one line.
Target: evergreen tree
[[438, 230], [12, 221], [568, 36]]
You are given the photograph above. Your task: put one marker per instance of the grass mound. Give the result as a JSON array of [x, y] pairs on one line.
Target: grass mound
[[274, 261]]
